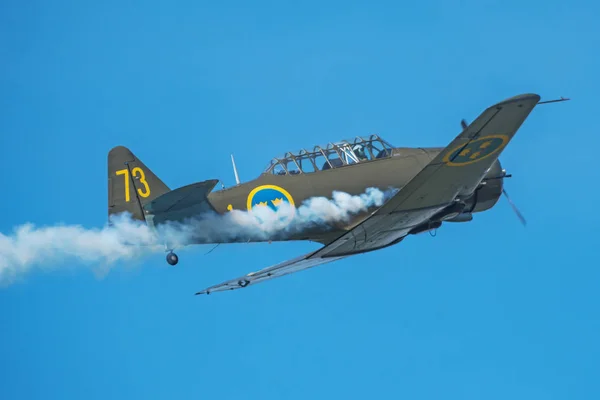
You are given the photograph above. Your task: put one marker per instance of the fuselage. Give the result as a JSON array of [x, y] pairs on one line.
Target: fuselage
[[392, 172]]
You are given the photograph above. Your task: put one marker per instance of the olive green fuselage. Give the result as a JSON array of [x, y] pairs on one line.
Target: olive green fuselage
[[386, 173]]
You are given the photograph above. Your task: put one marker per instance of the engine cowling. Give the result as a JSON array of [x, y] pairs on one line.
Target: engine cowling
[[485, 196]]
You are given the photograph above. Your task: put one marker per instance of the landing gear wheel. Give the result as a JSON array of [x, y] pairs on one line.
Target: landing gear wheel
[[172, 258], [243, 283]]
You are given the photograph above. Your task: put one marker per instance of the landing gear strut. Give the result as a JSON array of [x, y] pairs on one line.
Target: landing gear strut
[[172, 258]]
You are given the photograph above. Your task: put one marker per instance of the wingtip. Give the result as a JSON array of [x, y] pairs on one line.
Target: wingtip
[[521, 97]]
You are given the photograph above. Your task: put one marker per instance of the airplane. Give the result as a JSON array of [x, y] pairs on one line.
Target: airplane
[[434, 186]]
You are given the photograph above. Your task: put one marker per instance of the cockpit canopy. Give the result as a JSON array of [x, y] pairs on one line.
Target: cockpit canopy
[[334, 155]]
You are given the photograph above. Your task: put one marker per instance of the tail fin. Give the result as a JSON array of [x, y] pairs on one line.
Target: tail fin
[[131, 184]]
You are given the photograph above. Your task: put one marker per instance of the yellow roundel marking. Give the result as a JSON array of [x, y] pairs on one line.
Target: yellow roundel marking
[[270, 196], [476, 150]]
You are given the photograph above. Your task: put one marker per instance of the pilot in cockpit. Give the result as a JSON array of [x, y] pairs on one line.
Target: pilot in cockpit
[[359, 151]]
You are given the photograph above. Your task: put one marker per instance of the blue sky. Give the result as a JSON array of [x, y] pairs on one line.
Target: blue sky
[[483, 310]]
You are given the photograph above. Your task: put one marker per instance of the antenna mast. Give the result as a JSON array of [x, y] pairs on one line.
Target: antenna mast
[[237, 178]]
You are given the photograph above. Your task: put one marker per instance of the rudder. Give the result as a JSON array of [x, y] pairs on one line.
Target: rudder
[[131, 184]]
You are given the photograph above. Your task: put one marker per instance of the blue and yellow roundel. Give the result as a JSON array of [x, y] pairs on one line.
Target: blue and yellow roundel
[[270, 196], [476, 150]]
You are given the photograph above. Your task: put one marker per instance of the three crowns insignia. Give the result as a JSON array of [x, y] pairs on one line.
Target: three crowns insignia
[[275, 202]]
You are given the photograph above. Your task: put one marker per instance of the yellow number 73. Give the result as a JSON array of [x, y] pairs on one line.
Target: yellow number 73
[[142, 178]]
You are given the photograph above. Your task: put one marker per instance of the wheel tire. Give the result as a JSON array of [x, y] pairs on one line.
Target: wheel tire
[[172, 259]]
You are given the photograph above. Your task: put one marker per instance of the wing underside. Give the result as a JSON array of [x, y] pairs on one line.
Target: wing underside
[[275, 271], [456, 171]]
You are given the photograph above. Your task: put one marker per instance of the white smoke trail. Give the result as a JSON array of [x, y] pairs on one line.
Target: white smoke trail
[[30, 246]]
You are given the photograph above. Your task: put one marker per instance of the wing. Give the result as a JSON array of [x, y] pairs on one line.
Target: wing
[[456, 170], [275, 271]]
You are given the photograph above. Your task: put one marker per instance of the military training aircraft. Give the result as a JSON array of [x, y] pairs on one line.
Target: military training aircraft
[[435, 185]]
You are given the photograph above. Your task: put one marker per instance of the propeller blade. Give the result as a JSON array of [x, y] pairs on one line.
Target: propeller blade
[[515, 209], [464, 124]]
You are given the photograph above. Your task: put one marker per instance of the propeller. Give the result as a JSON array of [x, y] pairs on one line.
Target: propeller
[[514, 207]]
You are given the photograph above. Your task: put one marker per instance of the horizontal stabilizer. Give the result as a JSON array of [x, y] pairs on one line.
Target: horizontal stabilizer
[[182, 198]]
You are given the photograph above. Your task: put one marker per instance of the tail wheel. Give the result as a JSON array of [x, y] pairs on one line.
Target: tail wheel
[[172, 259]]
